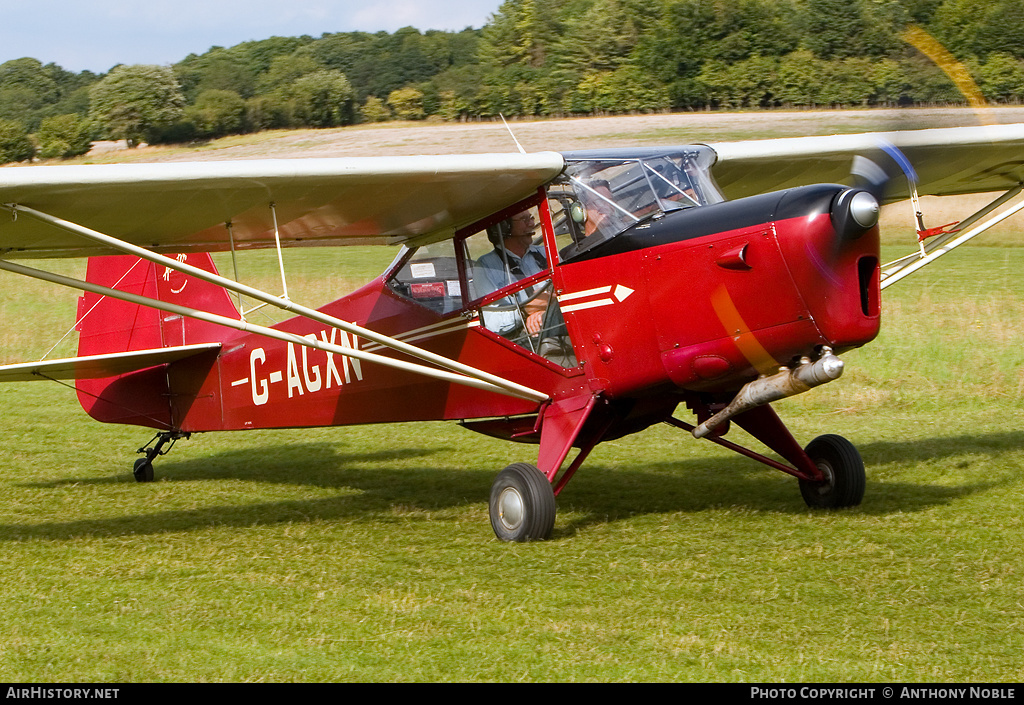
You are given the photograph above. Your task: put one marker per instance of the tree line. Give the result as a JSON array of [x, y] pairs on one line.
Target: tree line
[[532, 58]]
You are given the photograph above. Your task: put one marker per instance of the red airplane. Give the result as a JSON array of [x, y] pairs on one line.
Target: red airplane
[[554, 299]]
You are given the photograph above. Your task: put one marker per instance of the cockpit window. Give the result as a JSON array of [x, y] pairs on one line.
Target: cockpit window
[[597, 198], [497, 271], [430, 277]]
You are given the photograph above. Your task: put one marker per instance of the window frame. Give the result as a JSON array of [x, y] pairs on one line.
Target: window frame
[[538, 201]]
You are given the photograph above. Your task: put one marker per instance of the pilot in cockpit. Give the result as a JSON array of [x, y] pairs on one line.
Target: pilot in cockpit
[[514, 257], [530, 316]]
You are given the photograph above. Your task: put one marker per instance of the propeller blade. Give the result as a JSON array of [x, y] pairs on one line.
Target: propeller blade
[[869, 176], [874, 178]]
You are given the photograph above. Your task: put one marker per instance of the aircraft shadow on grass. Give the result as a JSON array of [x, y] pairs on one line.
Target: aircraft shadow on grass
[[602, 494]]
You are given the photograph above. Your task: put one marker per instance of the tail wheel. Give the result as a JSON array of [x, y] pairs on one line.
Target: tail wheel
[[843, 468], [522, 505], [143, 470]]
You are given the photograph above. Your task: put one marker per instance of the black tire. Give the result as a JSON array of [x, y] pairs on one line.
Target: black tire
[[143, 471], [844, 474], [522, 505]]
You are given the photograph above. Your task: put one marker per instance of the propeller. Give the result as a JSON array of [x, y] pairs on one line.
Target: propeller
[[856, 210], [875, 179]]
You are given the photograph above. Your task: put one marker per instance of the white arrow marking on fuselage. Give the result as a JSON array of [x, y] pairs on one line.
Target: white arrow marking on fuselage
[[620, 294]]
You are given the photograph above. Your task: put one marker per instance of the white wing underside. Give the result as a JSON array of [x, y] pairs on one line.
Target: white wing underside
[[948, 161], [184, 207]]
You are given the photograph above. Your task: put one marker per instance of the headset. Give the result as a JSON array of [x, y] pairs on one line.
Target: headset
[[499, 232]]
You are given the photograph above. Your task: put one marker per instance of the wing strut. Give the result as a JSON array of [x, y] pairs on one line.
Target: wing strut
[[247, 327], [234, 264], [280, 257], [948, 241], [465, 373]]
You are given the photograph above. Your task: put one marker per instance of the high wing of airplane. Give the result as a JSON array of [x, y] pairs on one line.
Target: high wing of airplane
[[189, 207], [939, 162], [553, 299], [948, 161]]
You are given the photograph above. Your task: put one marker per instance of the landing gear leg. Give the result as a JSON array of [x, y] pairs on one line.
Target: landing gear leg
[[143, 468], [522, 505], [830, 469]]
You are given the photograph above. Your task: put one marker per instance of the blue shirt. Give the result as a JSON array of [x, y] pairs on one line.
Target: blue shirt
[[496, 275], [491, 274]]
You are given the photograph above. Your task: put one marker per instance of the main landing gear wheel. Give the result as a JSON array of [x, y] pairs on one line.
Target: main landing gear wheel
[[143, 470], [522, 505], [844, 474]]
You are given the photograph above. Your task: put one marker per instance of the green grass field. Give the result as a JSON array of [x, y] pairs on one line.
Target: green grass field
[[365, 553]]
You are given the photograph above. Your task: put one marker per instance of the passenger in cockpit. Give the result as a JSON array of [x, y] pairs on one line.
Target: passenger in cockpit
[[600, 210]]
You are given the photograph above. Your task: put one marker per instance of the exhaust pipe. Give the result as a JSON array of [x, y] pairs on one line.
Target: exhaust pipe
[[785, 383]]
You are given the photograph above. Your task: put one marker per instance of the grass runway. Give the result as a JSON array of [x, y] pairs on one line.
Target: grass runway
[[365, 553]]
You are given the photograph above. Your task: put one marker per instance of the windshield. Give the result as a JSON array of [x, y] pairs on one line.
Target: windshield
[[599, 196]]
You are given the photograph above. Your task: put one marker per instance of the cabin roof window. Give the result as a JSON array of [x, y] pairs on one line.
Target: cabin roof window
[[603, 193]]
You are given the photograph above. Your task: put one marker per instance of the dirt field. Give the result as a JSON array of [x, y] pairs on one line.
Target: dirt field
[[567, 134]]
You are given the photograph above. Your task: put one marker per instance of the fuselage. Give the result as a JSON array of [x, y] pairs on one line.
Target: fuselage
[[683, 300]]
